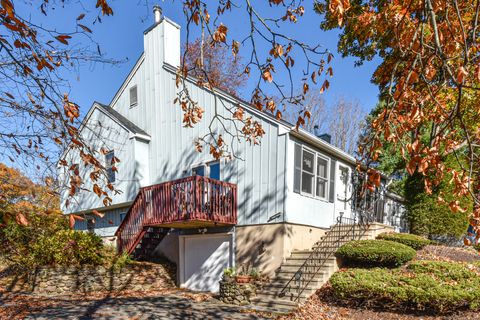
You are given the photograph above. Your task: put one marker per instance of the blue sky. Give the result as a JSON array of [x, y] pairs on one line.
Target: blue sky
[[121, 37]]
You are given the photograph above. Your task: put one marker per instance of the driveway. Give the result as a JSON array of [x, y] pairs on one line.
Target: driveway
[[169, 306]]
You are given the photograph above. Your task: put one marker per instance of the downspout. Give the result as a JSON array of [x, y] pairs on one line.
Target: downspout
[[285, 187]]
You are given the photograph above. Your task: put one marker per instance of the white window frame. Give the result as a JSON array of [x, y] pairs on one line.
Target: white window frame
[[315, 177], [327, 178]]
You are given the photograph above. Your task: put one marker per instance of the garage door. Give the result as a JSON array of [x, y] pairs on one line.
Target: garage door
[[204, 258]]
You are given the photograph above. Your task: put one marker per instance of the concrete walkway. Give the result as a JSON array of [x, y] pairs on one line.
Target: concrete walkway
[[160, 307]]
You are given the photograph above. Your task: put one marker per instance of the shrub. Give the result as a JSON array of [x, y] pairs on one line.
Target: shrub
[[375, 253], [438, 286], [426, 215], [47, 240], [69, 247], [411, 240]]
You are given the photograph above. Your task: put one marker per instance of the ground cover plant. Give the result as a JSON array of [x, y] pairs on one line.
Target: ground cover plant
[[411, 240], [375, 253], [423, 285]]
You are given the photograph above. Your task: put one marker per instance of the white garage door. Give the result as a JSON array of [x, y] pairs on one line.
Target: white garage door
[[204, 258]]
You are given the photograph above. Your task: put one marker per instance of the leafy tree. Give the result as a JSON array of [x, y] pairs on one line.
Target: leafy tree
[[429, 78], [20, 197], [212, 65], [426, 215]]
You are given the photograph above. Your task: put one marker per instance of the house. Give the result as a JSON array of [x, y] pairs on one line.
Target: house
[[205, 214]]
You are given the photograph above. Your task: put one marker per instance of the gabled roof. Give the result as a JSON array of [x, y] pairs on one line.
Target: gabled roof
[[129, 125]]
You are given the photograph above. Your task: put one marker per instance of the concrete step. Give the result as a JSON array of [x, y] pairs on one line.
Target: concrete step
[[288, 274], [276, 289], [289, 296], [281, 281], [305, 255], [294, 267], [275, 305]]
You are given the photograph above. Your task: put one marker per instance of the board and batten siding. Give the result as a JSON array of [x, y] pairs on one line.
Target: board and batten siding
[[259, 170], [103, 132], [107, 225]]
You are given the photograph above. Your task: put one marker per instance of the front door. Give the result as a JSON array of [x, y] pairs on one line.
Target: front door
[[343, 192]]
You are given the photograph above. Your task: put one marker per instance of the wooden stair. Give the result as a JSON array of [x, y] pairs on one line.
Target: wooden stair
[[150, 239]]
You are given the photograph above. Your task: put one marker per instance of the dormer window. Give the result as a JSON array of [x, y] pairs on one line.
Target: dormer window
[[133, 96]]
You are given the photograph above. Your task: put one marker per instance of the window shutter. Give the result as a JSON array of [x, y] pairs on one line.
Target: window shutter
[[298, 168], [333, 165]]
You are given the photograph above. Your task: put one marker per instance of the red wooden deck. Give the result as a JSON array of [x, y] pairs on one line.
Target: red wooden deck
[[185, 203]]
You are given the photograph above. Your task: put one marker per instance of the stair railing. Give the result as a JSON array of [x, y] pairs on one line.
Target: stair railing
[[366, 207], [345, 228], [194, 198]]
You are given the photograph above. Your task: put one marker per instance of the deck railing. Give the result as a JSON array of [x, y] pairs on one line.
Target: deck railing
[[192, 199]]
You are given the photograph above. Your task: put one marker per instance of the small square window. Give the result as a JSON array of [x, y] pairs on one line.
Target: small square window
[[133, 96]]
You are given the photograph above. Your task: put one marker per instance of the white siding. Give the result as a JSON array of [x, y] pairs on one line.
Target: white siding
[[308, 210], [102, 131]]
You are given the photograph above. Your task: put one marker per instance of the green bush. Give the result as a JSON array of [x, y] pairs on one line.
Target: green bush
[[47, 240], [375, 253], [411, 240], [438, 286], [426, 215], [69, 247]]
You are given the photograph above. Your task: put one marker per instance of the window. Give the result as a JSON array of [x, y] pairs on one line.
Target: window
[[322, 177], [311, 173], [122, 216], [199, 171], [211, 170], [308, 159], [133, 96], [110, 166], [214, 170], [90, 225]]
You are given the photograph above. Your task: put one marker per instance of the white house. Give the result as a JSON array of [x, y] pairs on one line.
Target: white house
[[282, 195]]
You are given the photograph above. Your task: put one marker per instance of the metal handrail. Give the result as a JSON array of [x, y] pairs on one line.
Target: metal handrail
[[316, 260], [363, 210]]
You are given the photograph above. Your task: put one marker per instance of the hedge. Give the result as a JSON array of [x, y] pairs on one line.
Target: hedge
[[431, 285], [411, 240], [375, 253]]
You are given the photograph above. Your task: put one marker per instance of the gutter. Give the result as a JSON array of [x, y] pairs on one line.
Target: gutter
[[102, 209]]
